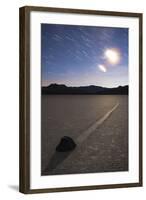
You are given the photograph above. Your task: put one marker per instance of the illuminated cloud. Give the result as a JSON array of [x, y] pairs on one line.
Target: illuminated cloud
[[102, 68]]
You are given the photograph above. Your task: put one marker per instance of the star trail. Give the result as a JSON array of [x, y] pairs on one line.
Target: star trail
[[75, 55]]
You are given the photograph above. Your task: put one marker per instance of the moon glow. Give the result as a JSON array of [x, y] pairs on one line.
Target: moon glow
[[112, 56]]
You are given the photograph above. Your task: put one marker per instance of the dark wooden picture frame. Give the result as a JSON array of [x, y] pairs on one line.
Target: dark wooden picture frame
[[24, 142]]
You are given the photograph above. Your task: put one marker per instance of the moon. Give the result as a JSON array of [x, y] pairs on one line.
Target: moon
[[102, 68], [112, 55]]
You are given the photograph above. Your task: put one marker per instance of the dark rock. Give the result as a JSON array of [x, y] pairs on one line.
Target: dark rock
[[66, 144]]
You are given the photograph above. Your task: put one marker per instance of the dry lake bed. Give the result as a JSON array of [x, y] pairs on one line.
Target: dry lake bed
[[97, 123]]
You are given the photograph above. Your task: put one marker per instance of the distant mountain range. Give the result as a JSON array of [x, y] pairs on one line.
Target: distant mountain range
[[91, 89]]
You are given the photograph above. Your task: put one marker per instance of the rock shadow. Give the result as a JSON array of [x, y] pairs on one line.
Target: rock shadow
[[56, 159]]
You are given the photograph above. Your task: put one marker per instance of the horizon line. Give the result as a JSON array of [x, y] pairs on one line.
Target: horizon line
[[83, 85]]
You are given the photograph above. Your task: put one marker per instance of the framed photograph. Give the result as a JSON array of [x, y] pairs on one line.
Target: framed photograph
[[80, 99]]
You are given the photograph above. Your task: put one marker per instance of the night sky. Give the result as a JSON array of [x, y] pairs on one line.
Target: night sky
[[84, 55]]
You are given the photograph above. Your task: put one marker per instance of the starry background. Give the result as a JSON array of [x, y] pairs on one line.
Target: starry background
[[71, 54]]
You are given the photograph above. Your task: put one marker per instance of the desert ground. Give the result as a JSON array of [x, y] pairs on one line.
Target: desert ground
[[97, 123]]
